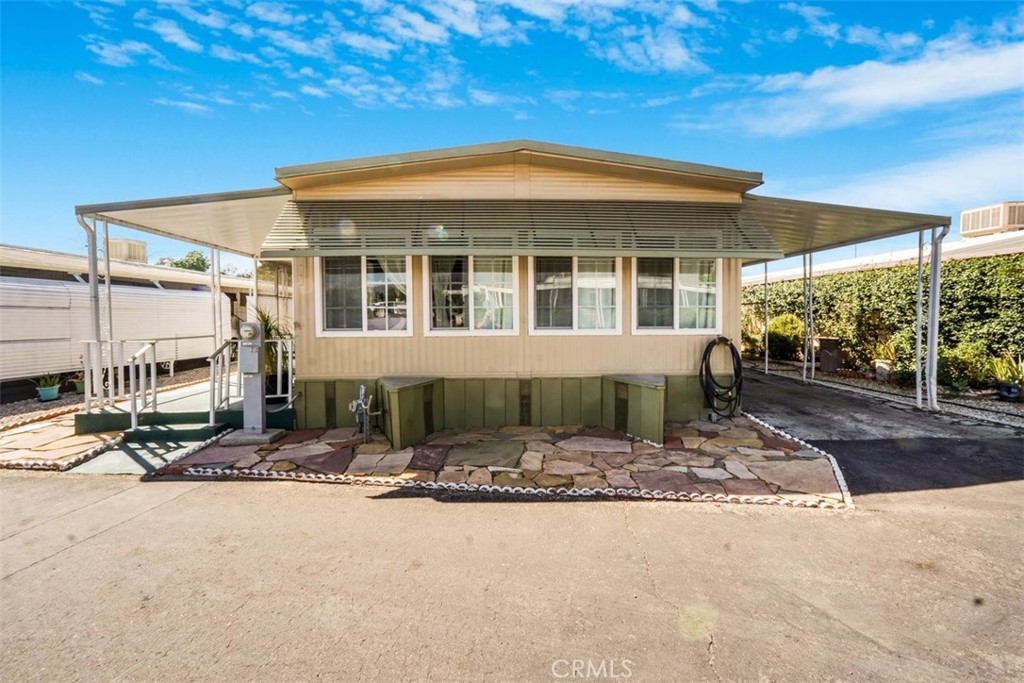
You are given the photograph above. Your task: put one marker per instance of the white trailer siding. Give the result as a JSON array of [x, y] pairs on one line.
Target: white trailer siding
[[43, 324]]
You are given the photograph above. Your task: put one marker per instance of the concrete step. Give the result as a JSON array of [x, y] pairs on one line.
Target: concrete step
[[163, 433], [112, 421]]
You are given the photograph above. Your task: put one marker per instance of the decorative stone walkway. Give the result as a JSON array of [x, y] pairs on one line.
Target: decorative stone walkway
[[50, 445], [733, 460]]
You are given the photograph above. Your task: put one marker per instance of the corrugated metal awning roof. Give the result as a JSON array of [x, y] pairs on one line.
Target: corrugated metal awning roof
[[518, 227], [800, 227]]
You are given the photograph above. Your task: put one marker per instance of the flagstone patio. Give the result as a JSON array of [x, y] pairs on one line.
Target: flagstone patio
[[733, 460], [49, 445]]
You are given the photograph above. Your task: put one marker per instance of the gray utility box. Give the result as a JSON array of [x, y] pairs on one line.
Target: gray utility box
[[828, 354]]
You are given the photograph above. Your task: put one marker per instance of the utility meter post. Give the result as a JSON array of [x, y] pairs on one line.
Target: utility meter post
[[254, 392]]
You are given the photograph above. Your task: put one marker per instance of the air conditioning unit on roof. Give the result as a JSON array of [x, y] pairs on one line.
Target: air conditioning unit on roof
[[989, 220]]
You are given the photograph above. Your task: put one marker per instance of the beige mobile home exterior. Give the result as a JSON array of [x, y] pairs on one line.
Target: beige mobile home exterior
[[513, 283], [525, 286]]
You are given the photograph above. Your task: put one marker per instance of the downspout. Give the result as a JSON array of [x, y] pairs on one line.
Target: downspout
[[94, 302], [935, 277]]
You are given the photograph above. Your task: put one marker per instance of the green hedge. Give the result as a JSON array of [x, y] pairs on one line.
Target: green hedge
[[982, 303]]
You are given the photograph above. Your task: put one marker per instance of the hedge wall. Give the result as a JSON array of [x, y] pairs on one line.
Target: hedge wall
[[982, 302]]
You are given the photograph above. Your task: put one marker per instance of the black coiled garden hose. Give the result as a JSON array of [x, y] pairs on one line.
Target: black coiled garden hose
[[722, 398]]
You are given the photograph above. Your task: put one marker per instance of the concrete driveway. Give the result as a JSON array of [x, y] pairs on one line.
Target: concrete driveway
[[107, 578]]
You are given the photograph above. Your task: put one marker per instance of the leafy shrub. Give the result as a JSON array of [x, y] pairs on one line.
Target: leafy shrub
[[980, 303], [1007, 369], [966, 365], [785, 337], [752, 346]]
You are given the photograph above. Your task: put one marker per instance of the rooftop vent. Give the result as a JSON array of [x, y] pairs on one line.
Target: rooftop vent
[[122, 249]]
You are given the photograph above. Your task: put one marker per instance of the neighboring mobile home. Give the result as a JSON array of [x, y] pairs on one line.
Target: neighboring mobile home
[[517, 283]]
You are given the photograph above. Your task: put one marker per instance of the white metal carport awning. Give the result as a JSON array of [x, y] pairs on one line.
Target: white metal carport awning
[[800, 227], [525, 227], [232, 221]]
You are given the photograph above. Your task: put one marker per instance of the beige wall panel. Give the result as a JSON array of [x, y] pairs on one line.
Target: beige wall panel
[[523, 355], [514, 181]]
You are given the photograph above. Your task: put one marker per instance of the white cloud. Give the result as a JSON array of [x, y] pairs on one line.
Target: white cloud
[[969, 177], [661, 101], [242, 30], [319, 47], [412, 26], [488, 98], [886, 43], [459, 15], [817, 20], [314, 91], [125, 53], [836, 97], [367, 44], [211, 19], [171, 33], [190, 107], [283, 95], [88, 78], [275, 13], [647, 50], [230, 54]]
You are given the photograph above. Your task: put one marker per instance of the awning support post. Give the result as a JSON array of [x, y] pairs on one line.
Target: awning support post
[[935, 277], [917, 328], [94, 313], [113, 379], [255, 285], [766, 317], [803, 263], [810, 290]]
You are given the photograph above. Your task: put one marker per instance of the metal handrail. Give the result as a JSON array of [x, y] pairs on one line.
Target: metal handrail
[[137, 368], [220, 377]]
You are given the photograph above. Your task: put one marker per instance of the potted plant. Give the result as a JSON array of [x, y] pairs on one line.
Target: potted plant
[[48, 387], [273, 330], [79, 377], [885, 357], [1009, 376]]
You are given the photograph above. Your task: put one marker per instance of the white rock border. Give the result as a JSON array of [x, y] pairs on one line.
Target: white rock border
[[840, 479]]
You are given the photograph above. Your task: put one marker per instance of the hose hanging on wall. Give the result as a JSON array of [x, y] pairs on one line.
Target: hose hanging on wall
[[722, 398]]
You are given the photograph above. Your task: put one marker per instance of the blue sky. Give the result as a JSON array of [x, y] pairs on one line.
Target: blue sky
[[915, 106]]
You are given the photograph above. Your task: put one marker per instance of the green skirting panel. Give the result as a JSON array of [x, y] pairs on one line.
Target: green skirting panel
[[635, 404], [412, 408]]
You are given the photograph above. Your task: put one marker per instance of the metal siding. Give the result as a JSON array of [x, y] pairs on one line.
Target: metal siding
[[505, 356], [513, 181], [619, 228]]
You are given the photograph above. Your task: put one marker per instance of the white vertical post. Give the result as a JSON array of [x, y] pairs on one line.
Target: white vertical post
[[94, 308], [111, 379], [917, 327], [803, 264], [766, 317], [810, 289], [935, 277], [255, 286]]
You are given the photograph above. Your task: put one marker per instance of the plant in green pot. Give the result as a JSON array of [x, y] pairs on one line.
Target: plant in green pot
[[48, 387], [79, 377]]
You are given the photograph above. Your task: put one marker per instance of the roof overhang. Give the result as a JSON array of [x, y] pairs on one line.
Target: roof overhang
[[582, 159], [233, 221], [524, 227], [800, 227]]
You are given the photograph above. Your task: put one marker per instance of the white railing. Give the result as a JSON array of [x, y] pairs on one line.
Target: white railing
[[142, 381], [220, 377], [280, 365]]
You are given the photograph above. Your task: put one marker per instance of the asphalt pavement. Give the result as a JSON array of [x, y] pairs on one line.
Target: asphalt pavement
[[108, 578]]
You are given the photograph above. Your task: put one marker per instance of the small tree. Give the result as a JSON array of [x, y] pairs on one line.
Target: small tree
[[193, 260]]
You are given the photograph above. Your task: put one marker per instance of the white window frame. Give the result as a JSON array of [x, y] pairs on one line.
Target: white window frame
[[675, 329], [318, 295], [575, 331], [468, 331]]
